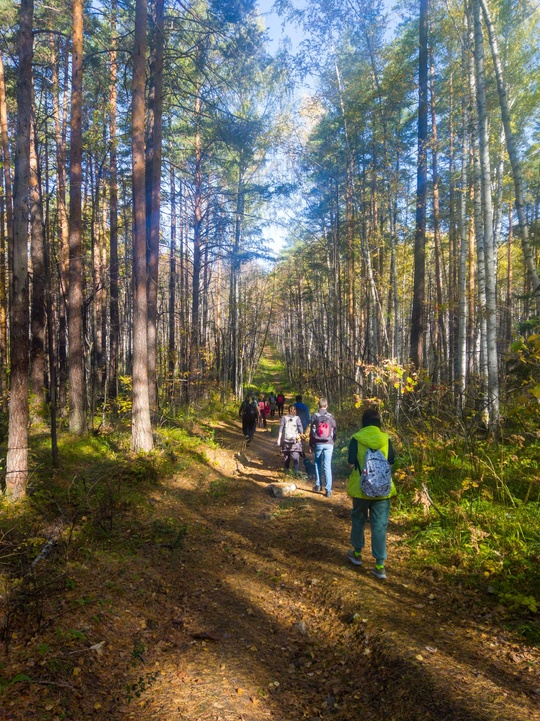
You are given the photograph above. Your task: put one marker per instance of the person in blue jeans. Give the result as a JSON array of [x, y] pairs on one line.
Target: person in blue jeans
[[322, 436], [370, 436]]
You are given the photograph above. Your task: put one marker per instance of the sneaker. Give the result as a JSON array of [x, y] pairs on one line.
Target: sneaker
[[316, 489], [328, 494], [379, 572], [356, 560]]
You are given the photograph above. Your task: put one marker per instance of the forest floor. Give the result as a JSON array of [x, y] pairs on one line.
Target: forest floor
[[256, 613]]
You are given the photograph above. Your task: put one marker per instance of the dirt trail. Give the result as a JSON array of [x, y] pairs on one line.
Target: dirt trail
[[260, 616], [300, 633]]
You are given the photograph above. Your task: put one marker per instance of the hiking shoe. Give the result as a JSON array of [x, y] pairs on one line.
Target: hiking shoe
[[379, 572], [316, 489], [353, 558], [328, 494]]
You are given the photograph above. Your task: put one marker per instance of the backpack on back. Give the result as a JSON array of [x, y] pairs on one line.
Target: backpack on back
[[375, 479], [290, 430], [322, 432], [250, 413], [281, 398]]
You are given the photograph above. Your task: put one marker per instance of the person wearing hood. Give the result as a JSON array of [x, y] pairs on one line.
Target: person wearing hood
[[369, 437]]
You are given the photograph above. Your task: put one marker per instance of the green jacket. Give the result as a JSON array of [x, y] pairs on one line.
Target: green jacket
[[368, 437]]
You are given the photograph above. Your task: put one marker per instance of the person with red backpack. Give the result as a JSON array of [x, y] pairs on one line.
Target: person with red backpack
[[280, 401], [322, 436]]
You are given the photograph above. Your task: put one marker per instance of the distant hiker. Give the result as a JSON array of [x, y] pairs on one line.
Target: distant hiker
[[272, 402], [322, 436], [280, 401], [371, 487], [302, 411], [264, 410], [290, 439], [249, 414]]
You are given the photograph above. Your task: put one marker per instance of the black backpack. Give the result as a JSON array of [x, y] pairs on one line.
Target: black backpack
[[250, 412]]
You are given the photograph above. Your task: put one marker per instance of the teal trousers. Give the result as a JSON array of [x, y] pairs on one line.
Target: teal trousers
[[379, 512]]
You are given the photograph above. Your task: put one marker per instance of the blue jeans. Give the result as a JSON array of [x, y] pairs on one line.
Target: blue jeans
[[379, 512], [323, 460]]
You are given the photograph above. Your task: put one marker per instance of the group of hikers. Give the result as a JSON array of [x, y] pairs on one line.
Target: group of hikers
[[370, 456]]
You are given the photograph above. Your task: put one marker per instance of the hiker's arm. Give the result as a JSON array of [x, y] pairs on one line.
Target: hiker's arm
[[391, 454], [353, 452]]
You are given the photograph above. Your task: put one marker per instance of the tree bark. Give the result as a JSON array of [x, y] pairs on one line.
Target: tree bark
[[114, 329], [487, 208], [511, 146], [153, 197], [418, 310], [197, 259], [7, 214], [37, 254], [17, 452], [172, 354], [141, 427], [77, 416]]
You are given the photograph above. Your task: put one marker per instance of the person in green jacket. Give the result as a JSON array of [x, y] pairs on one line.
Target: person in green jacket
[[370, 436]]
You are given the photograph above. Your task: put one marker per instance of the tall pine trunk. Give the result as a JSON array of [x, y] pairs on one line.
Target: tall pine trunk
[[37, 255], [77, 416], [141, 428], [114, 327], [153, 197], [418, 309], [17, 451], [7, 221]]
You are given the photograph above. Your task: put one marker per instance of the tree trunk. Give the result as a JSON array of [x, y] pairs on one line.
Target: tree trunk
[[141, 428], [172, 291], [153, 185], [114, 328], [77, 417], [514, 159], [440, 320], [487, 208], [418, 310], [17, 451], [37, 254], [5, 268], [461, 350], [197, 259]]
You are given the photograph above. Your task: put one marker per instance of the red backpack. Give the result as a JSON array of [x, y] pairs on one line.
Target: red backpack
[[321, 429]]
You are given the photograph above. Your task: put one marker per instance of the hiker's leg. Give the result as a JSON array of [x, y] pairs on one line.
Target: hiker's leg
[[359, 515], [318, 464], [287, 460], [295, 455], [328, 449], [379, 514]]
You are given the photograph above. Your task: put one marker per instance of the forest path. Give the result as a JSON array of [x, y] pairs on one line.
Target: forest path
[[272, 622], [257, 614]]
